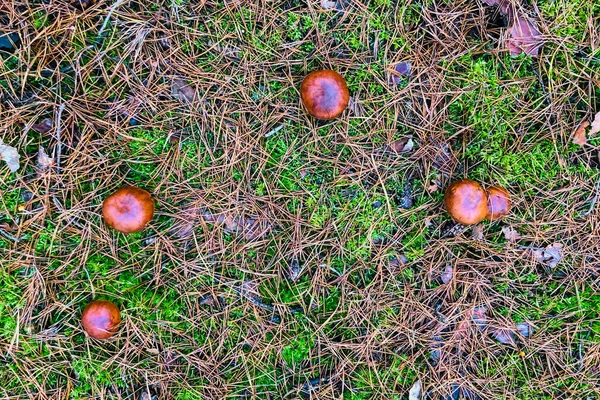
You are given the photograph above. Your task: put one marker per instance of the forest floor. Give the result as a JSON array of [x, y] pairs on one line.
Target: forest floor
[[289, 257]]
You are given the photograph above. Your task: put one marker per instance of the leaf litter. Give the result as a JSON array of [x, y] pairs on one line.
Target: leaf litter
[[10, 156]]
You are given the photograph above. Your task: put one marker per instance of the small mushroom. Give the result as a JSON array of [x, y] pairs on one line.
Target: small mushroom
[[498, 203], [466, 201], [324, 94], [101, 319], [128, 210]]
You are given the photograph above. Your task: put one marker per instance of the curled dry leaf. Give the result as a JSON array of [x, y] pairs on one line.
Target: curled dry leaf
[[400, 146], [10, 155], [595, 128], [250, 228], [511, 234], [338, 5], [44, 161], [402, 69], [524, 37], [550, 256], [504, 336], [182, 90], [525, 329], [478, 315], [43, 127], [447, 274], [579, 136], [415, 391], [294, 270], [477, 232], [503, 5]]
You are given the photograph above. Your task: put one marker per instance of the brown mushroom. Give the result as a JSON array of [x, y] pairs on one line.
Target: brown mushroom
[[466, 201], [324, 94], [498, 203], [101, 319], [128, 209]]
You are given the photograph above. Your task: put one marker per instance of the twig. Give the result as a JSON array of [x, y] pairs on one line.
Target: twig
[[594, 199], [9, 236], [100, 37], [58, 142]]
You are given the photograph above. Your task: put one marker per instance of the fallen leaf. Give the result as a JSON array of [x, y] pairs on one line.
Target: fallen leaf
[[478, 315], [10, 156], [524, 37], [44, 161], [477, 232], [250, 228], [415, 391], [401, 146], [504, 336], [595, 125], [338, 5], [182, 90], [403, 69], [525, 329], [184, 227], [511, 234], [42, 127], [447, 274], [550, 256], [503, 5], [294, 270], [579, 134], [433, 187]]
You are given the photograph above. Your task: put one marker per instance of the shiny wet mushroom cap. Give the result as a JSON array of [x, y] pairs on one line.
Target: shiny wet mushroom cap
[[324, 94], [498, 203], [466, 201], [128, 210], [101, 319]]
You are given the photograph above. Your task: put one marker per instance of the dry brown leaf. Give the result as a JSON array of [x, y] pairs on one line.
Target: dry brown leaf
[[250, 228], [477, 232], [400, 146], [44, 161], [10, 155], [182, 90], [447, 274], [579, 136], [550, 256], [43, 127], [415, 391], [511, 234], [524, 37], [595, 125]]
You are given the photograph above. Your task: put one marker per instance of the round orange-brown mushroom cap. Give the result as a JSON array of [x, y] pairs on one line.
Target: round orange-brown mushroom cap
[[498, 203], [101, 319], [128, 209], [324, 94], [466, 201]]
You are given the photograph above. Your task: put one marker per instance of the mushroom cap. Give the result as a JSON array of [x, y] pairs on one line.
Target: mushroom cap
[[101, 319], [466, 201], [128, 209], [498, 203], [324, 94]]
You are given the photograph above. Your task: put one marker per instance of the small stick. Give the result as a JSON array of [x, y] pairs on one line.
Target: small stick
[[59, 143], [594, 200], [9, 236]]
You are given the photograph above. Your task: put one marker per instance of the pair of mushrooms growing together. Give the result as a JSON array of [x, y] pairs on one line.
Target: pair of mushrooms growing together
[[325, 96], [469, 203]]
